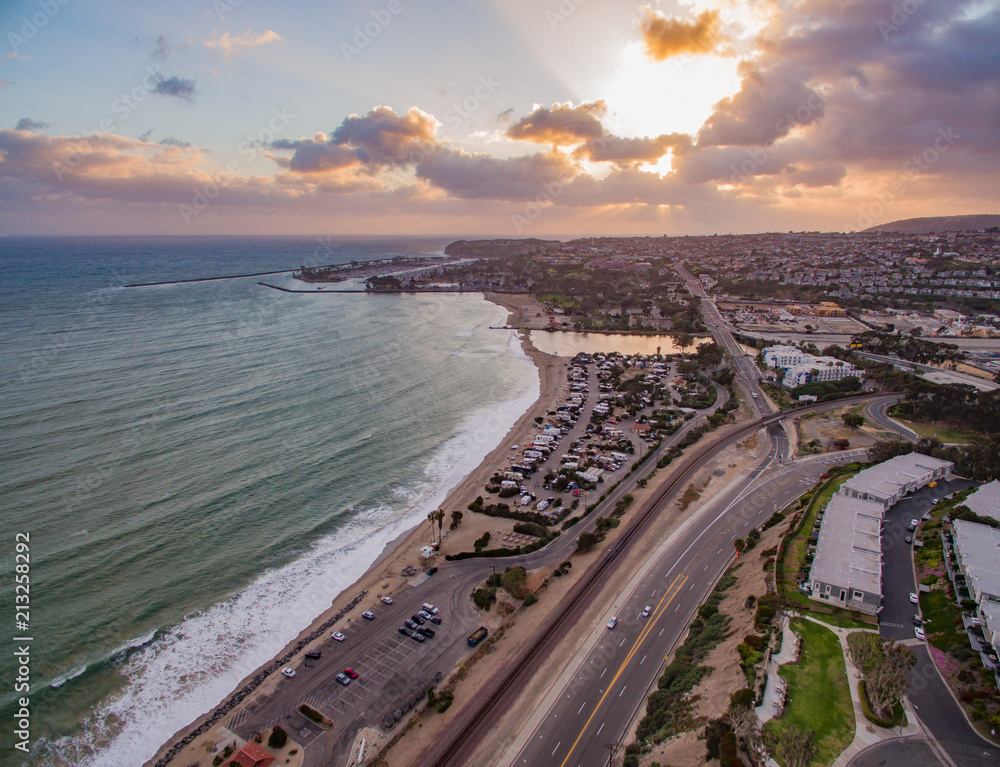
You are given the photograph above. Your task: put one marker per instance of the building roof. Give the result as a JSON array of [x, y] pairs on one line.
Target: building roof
[[979, 549], [848, 551], [885, 479], [252, 755], [986, 500], [990, 611]]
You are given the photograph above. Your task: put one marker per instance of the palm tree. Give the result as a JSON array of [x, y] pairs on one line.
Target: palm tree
[[439, 516]]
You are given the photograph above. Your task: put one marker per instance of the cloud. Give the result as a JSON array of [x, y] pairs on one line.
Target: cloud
[[26, 123], [626, 152], [563, 124], [162, 50], [671, 37], [379, 139], [481, 176], [227, 45], [186, 90], [171, 141]]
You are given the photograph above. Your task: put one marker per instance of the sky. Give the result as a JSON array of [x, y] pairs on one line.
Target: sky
[[499, 118]]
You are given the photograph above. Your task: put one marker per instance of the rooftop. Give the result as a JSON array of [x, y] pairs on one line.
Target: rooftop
[[979, 548], [848, 551], [887, 477], [986, 500]]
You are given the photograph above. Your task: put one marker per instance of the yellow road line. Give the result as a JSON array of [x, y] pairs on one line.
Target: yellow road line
[[657, 613]]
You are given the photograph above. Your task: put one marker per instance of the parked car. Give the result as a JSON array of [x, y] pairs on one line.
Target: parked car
[[432, 570], [919, 632], [430, 608], [343, 679], [913, 525], [427, 631], [368, 615], [351, 673], [914, 598], [404, 631], [425, 615], [418, 636], [435, 619], [612, 623], [314, 654], [410, 624], [908, 539], [417, 619], [288, 672], [387, 600], [338, 636]]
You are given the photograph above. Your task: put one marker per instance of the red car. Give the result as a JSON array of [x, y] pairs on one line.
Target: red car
[[351, 673]]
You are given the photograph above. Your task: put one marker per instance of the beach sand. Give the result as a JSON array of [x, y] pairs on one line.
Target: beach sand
[[384, 576]]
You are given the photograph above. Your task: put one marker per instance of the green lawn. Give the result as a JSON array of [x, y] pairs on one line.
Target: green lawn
[[819, 696], [940, 613], [940, 431]]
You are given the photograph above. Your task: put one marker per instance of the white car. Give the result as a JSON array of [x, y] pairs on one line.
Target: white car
[[647, 611], [914, 598], [288, 672], [918, 632], [338, 636], [387, 600], [368, 615], [612, 623]]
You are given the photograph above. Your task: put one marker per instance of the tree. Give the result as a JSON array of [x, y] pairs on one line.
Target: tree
[[740, 545], [863, 648], [886, 683], [853, 421], [439, 516], [456, 520], [277, 738], [798, 747], [746, 726], [586, 541], [481, 541]]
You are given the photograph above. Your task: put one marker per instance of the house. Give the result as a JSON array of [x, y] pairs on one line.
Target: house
[[986, 500], [977, 554], [252, 755]]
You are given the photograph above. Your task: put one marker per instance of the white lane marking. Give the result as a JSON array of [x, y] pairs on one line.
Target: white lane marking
[[581, 707], [556, 748], [599, 729], [643, 658], [602, 673], [623, 690]]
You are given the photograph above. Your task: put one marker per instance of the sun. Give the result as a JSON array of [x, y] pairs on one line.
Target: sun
[[649, 98]]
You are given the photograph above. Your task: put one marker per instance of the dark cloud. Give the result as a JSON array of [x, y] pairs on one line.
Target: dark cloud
[[178, 87], [171, 141], [162, 49], [630, 151], [26, 123], [671, 37], [146, 136]]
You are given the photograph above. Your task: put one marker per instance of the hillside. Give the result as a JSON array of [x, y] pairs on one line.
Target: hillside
[[930, 224]]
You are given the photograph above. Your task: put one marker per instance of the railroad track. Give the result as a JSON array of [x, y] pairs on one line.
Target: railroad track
[[450, 754]]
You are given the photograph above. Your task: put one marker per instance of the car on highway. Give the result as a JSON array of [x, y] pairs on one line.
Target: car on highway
[[914, 598], [613, 622], [313, 654], [647, 611], [344, 679], [418, 619], [387, 600], [919, 632], [368, 615], [288, 672], [338, 636], [351, 673], [427, 631]]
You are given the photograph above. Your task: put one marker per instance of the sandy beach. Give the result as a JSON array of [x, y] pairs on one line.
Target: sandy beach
[[385, 575]]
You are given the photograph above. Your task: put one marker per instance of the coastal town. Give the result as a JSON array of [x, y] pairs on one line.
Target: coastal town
[[611, 446]]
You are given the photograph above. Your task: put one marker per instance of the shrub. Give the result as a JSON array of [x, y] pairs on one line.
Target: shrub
[[310, 713], [741, 699], [529, 600], [278, 737]]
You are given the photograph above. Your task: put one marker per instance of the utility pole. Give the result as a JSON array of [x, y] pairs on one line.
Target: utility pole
[[612, 752]]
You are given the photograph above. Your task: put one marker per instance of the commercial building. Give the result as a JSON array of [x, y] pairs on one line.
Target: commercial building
[[887, 482], [847, 569], [817, 369]]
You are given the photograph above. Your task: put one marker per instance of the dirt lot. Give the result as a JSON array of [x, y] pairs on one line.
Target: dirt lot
[[828, 427]]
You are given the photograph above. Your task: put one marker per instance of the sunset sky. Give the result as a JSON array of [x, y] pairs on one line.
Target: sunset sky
[[504, 118]]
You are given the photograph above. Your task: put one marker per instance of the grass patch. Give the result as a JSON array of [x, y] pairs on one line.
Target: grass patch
[[941, 431], [818, 692], [940, 617]]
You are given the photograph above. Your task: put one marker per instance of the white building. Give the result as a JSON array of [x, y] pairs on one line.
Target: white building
[[817, 369], [781, 356], [887, 482], [847, 570], [986, 500], [977, 551]]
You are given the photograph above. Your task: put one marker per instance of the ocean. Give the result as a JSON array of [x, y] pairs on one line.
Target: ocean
[[203, 467]]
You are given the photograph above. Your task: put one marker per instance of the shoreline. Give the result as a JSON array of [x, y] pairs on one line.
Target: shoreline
[[384, 576]]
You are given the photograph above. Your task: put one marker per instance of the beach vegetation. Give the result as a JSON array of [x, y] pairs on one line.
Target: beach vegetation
[[456, 520]]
